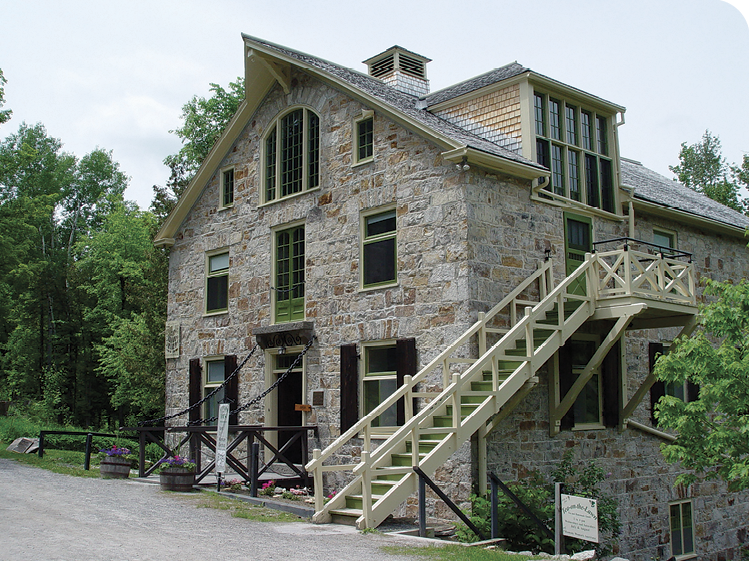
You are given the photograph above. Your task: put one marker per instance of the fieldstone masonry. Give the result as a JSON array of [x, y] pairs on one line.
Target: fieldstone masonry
[[464, 239]]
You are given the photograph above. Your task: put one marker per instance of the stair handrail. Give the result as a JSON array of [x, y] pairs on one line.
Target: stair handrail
[[544, 269]]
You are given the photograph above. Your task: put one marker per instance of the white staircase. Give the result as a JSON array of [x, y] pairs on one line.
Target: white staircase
[[477, 390]]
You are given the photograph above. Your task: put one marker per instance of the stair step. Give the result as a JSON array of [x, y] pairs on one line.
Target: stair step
[[356, 502], [465, 410], [425, 446], [404, 459], [473, 399], [345, 516], [382, 486]]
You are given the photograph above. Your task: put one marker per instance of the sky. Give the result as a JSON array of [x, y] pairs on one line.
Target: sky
[[115, 75]]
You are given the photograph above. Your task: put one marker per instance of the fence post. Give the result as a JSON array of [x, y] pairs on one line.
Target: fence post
[[558, 535], [41, 444], [495, 508], [422, 507], [254, 457], [87, 459]]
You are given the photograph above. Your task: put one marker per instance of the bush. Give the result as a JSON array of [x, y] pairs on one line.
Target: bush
[[537, 494]]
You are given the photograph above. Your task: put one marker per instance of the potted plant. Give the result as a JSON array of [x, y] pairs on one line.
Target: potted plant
[[115, 462], [176, 473]]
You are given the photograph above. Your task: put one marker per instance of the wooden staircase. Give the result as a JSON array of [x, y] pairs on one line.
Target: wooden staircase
[[479, 391]]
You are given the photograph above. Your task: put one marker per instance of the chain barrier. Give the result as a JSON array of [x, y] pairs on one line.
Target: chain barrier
[[269, 389], [206, 398]]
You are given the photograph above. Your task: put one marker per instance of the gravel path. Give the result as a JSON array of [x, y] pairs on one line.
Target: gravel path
[[48, 516]]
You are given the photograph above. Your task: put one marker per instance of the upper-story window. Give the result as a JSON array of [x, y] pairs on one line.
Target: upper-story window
[[227, 188], [292, 155], [574, 144], [364, 138], [217, 282], [378, 251]]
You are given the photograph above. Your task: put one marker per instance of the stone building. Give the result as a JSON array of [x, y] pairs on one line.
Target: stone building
[[423, 242]]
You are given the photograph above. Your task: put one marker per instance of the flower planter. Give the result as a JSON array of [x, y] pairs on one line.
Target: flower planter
[[176, 479], [114, 467]]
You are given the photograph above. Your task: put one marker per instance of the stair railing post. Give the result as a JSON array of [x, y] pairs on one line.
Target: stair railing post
[[319, 497], [366, 436], [408, 406], [482, 333], [366, 489], [627, 271], [456, 402], [529, 347]]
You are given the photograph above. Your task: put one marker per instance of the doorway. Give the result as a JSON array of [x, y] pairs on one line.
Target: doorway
[[281, 407], [578, 240]]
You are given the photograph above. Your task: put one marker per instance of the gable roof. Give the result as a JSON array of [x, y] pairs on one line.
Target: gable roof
[[652, 187]]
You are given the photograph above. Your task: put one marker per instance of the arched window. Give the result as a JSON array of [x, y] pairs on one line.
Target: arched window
[[292, 155]]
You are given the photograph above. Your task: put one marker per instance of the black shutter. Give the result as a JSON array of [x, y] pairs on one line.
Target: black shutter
[[693, 391], [658, 389], [405, 350], [231, 390], [195, 388], [566, 380], [611, 376], [349, 387]]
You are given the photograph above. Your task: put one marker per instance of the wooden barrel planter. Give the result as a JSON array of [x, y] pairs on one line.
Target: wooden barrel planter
[[114, 467], [176, 479]]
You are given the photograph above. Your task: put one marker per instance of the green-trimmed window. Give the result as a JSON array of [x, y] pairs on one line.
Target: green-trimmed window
[[217, 283], [214, 377], [379, 382], [665, 240], [292, 154], [227, 188], [682, 529], [289, 275], [379, 249], [586, 175], [364, 139], [588, 405]]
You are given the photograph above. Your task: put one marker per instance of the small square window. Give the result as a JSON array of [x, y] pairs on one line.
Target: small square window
[[666, 241], [682, 529], [364, 139], [227, 188], [217, 283], [379, 249]]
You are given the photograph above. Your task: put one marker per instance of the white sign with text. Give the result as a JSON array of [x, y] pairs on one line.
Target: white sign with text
[[222, 437], [580, 518]]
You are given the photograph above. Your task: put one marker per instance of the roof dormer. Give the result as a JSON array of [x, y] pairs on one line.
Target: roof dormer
[[401, 69]]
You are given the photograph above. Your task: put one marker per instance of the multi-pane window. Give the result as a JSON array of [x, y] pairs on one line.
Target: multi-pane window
[[289, 275], [364, 130], [664, 240], [682, 530], [587, 407], [292, 155], [217, 283], [379, 382], [574, 144], [379, 249], [227, 188], [214, 377]]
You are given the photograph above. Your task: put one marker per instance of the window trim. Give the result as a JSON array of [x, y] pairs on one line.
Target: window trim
[[219, 273], [275, 127], [274, 269], [364, 240], [366, 115], [688, 554], [666, 233], [222, 204], [363, 377]]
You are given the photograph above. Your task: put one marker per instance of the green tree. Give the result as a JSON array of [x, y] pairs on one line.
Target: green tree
[[5, 114], [204, 119], [713, 431], [703, 168]]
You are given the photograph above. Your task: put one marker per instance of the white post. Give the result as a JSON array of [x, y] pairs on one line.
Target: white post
[[319, 497]]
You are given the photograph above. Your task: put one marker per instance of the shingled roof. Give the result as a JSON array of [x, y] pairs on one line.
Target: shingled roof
[[409, 105], [492, 77], [655, 188]]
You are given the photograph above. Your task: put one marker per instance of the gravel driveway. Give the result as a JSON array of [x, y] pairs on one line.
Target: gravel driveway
[[48, 516]]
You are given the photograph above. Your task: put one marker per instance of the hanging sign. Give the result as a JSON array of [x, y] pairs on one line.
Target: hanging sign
[[222, 437], [580, 518]]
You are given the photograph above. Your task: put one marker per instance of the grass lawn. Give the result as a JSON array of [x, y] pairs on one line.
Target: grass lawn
[[457, 553], [59, 461]]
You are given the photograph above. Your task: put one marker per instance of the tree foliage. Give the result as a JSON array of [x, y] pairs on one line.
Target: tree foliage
[[78, 264], [204, 119], [5, 114], [703, 168], [713, 431]]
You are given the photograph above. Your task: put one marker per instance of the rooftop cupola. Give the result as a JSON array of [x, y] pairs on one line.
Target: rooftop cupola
[[401, 69]]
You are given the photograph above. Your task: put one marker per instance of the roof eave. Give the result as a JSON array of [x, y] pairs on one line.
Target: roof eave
[[569, 91], [685, 217], [494, 163]]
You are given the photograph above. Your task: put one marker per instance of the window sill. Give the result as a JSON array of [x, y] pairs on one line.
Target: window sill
[[378, 286], [225, 207], [288, 197], [588, 426], [363, 162], [216, 313]]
